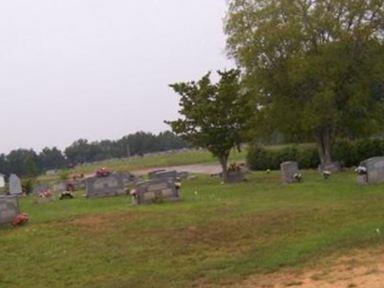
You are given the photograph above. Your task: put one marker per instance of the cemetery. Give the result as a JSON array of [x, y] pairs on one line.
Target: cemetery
[[262, 162]]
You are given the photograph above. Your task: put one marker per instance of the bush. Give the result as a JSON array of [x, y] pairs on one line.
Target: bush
[[259, 158], [347, 152]]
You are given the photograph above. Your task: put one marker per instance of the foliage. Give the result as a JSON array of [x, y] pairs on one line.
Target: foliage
[[315, 66], [348, 153], [214, 115], [27, 185], [262, 158]]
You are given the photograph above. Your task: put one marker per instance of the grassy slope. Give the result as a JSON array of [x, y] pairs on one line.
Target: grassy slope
[[216, 235]]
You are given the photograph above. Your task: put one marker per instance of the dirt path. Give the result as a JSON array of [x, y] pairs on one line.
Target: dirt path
[[363, 269]]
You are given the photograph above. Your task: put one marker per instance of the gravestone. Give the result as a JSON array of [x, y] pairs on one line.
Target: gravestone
[[2, 181], [111, 185], [9, 209], [127, 178], [163, 175], [15, 185], [331, 167], [40, 188], [183, 175], [156, 190], [374, 170], [288, 171], [60, 187]]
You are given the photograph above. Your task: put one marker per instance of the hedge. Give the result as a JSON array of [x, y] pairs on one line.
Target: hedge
[[345, 151]]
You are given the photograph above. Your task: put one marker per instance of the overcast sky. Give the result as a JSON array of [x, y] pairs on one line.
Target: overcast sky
[[100, 69]]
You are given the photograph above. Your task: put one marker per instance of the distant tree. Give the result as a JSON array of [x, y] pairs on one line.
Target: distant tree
[[23, 162], [313, 65], [214, 115], [51, 158]]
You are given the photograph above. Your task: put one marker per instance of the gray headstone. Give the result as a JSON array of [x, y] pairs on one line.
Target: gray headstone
[[163, 175], [375, 170], [288, 171], [105, 186], [15, 185], [9, 209], [40, 188], [60, 187], [332, 167], [156, 190]]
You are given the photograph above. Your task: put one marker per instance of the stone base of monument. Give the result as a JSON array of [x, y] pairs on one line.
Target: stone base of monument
[[155, 191], [331, 167]]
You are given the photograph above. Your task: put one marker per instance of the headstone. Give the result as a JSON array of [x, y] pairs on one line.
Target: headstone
[[164, 175], [60, 187], [331, 167], [153, 172], [127, 178], [15, 185], [156, 190], [235, 176], [375, 170], [183, 175], [2, 181], [104, 186], [288, 171], [40, 188], [9, 209]]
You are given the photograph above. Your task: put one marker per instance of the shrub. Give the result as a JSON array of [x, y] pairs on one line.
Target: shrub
[[347, 152]]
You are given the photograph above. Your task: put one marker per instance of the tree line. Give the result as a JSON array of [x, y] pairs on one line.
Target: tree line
[[29, 163]]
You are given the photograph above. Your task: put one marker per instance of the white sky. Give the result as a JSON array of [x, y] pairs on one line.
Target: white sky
[[100, 69]]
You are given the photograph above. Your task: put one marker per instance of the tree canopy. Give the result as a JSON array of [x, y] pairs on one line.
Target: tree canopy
[[214, 115], [315, 66]]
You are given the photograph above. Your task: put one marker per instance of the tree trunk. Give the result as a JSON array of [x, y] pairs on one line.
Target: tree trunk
[[224, 166], [323, 139]]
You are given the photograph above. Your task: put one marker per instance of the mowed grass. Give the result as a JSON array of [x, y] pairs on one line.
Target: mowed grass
[[218, 235]]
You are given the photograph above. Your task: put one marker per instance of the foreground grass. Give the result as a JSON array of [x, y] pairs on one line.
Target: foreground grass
[[217, 235]]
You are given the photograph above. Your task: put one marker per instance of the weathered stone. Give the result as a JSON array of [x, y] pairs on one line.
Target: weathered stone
[[375, 170], [163, 174], [15, 185], [112, 185], [40, 188], [156, 190], [332, 167], [288, 171], [9, 209]]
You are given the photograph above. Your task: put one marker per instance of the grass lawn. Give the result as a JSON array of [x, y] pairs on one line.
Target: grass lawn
[[217, 235]]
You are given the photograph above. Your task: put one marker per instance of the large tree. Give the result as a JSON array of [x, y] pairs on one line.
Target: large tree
[[214, 114], [314, 64]]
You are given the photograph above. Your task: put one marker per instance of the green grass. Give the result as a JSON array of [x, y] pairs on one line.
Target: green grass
[[218, 234]]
